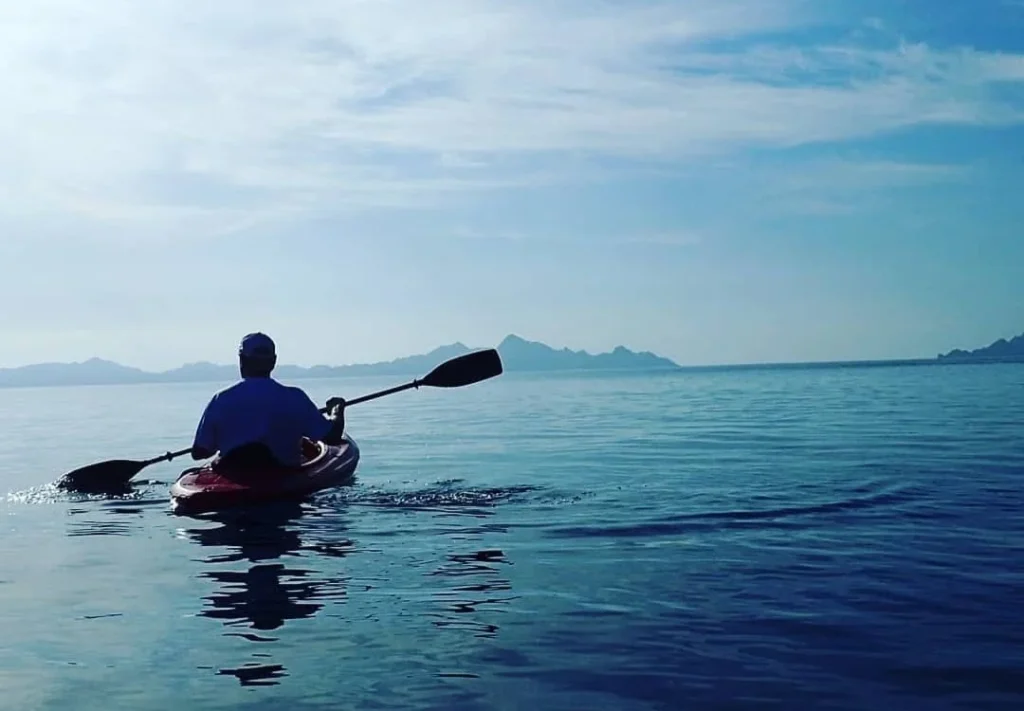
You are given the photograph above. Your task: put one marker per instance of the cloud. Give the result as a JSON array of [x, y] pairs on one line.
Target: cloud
[[676, 238], [847, 176], [837, 187], [210, 116]]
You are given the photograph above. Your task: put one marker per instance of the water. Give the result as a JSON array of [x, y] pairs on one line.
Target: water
[[828, 539]]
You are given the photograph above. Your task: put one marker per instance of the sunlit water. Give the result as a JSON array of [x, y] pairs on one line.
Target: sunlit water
[[806, 539]]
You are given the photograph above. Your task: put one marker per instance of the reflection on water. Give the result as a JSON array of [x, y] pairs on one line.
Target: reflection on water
[[480, 592], [129, 519], [264, 570], [92, 527], [266, 594]]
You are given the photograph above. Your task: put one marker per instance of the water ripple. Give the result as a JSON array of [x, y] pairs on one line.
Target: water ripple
[[735, 519]]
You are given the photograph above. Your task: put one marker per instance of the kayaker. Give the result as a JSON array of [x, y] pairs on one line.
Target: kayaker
[[258, 421]]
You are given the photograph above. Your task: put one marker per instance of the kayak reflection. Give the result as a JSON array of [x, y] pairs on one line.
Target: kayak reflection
[[268, 593]]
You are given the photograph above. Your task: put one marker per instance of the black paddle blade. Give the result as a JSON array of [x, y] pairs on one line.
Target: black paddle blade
[[465, 370], [103, 477]]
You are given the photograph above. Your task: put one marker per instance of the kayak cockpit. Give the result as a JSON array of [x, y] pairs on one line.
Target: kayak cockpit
[[312, 451]]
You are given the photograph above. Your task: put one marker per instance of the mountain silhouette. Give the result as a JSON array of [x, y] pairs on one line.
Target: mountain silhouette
[[998, 351], [517, 354], [520, 354]]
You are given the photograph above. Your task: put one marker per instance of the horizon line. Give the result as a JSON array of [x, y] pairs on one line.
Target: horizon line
[[933, 360], [954, 355]]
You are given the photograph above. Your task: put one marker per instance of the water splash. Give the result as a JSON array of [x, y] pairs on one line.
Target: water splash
[[443, 495]]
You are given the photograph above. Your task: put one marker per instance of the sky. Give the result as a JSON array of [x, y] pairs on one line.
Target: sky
[[718, 181]]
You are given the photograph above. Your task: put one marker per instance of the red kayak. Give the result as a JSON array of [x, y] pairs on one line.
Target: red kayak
[[202, 489]]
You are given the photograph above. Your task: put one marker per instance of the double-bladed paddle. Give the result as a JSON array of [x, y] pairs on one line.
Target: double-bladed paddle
[[457, 372]]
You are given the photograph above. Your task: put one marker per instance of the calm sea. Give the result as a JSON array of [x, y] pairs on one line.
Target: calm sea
[[764, 539]]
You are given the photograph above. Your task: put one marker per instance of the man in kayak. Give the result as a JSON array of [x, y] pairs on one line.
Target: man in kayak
[[259, 421]]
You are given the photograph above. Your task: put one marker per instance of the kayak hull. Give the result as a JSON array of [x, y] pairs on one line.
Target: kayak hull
[[203, 489]]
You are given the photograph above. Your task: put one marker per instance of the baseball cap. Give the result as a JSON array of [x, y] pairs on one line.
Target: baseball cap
[[257, 345]]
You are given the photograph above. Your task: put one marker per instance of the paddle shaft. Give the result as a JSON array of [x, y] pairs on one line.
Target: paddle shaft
[[166, 457], [382, 393]]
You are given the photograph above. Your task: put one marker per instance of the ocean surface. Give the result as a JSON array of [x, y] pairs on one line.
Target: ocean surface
[[837, 538]]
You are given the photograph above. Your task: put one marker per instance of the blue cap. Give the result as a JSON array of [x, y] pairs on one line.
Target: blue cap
[[257, 345]]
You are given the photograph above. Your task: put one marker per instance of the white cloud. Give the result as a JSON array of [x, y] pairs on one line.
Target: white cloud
[[204, 117]]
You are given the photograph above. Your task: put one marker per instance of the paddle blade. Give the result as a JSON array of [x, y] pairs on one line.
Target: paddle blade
[[465, 370], [98, 478]]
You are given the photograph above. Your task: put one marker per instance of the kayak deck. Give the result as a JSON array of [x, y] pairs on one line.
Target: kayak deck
[[205, 489]]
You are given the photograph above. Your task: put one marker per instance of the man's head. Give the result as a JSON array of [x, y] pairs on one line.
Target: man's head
[[256, 356]]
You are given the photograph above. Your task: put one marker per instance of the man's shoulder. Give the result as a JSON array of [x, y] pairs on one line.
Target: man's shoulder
[[263, 387], [295, 392], [229, 390], [231, 393], [275, 388]]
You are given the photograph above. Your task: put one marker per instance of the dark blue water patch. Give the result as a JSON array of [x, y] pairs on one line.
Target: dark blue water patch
[[742, 662], [735, 519], [828, 627], [963, 683]]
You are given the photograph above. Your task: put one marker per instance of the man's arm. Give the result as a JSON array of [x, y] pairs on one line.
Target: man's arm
[[204, 445], [337, 417], [318, 427], [200, 453]]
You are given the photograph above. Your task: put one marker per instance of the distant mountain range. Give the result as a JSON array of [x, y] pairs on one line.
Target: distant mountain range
[[517, 354], [999, 351]]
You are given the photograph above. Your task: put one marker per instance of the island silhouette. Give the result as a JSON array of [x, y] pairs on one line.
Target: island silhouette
[[999, 351], [517, 354]]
